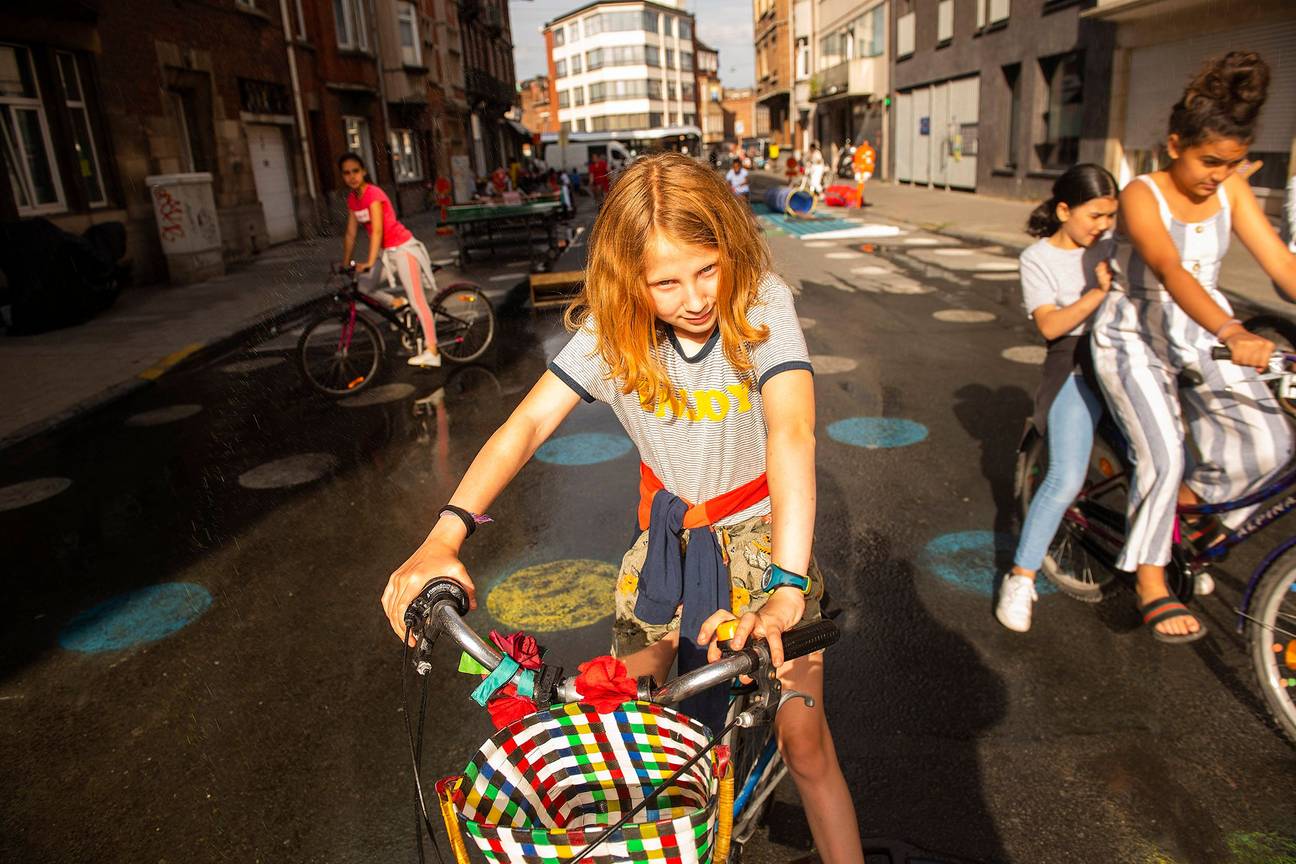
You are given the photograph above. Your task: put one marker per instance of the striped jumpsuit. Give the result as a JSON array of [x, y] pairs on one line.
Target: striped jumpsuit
[[1141, 340]]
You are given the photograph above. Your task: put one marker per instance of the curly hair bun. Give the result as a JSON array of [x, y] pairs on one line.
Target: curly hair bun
[[1234, 84]]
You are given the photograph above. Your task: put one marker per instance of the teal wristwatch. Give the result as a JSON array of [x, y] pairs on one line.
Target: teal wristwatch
[[776, 577]]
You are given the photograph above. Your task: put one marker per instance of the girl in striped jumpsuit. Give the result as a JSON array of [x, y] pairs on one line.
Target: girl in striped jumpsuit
[[1165, 316]]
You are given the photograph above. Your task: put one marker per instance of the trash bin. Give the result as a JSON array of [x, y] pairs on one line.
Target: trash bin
[[187, 225]]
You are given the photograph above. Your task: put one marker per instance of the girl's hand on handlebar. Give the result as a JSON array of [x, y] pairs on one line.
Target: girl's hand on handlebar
[[1248, 349], [433, 560], [781, 612]]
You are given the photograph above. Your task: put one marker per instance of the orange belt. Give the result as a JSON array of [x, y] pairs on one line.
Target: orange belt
[[725, 504]]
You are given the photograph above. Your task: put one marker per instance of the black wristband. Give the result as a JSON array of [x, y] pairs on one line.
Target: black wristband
[[468, 519]]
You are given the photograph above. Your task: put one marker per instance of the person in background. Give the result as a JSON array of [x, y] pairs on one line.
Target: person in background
[[863, 162], [598, 171], [1064, 277], [736, 177]]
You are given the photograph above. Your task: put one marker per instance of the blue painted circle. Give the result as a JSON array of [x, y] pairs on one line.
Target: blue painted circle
[[583, 448], [876, 432], [146, 615], [966, 559]]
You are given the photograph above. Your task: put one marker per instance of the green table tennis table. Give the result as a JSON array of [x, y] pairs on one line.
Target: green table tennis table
[[513, 230]]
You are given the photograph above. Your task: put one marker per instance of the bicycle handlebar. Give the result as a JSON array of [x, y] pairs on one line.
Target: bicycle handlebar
[[1222, 352], [443, 603]]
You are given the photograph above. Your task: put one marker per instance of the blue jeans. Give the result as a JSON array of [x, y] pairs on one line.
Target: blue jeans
[[1071, 421]]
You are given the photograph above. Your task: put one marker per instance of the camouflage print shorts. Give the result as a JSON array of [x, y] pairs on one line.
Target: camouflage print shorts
[[746, 547]]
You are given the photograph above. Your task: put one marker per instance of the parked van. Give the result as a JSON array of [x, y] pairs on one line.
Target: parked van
[[578, 153]]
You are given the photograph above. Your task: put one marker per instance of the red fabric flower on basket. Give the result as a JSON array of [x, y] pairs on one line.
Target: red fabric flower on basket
[[603, 683], [507, 706], [521, 647]]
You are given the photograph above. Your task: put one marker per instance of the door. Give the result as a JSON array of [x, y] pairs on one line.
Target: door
[[905, 126], [273, 186], [939, 137], [962, 124], [922, 135]]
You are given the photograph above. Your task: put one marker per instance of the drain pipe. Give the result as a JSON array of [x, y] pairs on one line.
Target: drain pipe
[[297, 102]]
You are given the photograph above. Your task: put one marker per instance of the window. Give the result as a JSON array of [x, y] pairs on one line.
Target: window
[[406, 164], [652, 56], [685, 29], [592, 25], [352, 32], [905, 35], [686, 61], [1012, 80], [672, 91], [560, 69], [651, 21], [559, 37], [24, 134], [573, 33], [578, 96], [670, 58], [873, 33], [991, 12], [407, 24], [803, 57], [654, 119], [608, 91], [564, 98], [1064, 82], [670, 26], [87, 157], [193, 155], [355, 130], [613, 122], [594, 59], [301, 20], [575, 64], [944, 22], [688, 92], [654, 88]]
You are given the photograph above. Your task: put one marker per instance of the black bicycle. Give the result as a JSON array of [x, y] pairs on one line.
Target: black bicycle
[[341, 352]]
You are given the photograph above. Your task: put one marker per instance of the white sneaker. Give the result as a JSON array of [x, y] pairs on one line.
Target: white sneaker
[[1016, 595], [427, 360], [1205, 584]]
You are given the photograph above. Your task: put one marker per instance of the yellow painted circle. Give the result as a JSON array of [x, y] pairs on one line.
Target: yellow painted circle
[[554, 596]]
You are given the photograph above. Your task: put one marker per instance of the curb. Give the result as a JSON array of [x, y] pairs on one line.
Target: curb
[[185, 358]]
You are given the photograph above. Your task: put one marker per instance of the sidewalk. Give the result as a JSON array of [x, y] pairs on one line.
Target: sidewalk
[[53, 377], [983, 219]]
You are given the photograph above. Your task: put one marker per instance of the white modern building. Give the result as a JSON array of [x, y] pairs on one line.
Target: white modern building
[[623, 66]]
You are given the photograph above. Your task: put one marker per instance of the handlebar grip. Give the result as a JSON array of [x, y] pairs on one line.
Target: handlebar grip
[[1221, 352], [808, 638], [436, 591]]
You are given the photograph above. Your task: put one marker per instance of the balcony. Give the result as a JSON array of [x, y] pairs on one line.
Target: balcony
[[863, 76], [485, 87]]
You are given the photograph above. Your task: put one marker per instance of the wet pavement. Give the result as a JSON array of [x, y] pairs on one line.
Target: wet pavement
[[240, 698]]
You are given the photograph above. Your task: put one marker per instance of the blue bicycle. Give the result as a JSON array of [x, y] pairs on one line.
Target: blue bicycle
[[1081, 560]]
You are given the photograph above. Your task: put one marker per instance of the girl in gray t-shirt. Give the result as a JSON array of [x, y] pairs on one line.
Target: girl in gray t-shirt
[[1064, 276]]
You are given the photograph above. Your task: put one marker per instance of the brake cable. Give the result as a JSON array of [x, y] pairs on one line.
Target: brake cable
[[416, 751]]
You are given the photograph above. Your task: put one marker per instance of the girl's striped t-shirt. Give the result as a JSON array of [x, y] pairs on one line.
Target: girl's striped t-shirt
[[716, 442]]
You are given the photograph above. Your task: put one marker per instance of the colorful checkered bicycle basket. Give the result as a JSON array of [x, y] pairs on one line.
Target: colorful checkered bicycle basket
[[547, 785]]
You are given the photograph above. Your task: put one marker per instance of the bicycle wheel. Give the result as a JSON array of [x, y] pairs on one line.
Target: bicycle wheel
[[339, 355], [1283, 334], [1068, 564], [1271, 632], [465, 322], [757, 769]]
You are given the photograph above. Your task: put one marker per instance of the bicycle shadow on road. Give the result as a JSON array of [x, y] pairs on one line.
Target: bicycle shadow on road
[[907, 697]]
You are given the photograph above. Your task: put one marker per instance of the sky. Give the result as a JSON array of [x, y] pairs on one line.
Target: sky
[[725, 25]]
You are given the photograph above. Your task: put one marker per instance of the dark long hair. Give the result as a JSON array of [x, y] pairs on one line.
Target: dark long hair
[[1223, 99], [1079, 184]]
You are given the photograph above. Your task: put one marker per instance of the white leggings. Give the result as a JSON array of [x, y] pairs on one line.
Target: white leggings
[[410, 265]]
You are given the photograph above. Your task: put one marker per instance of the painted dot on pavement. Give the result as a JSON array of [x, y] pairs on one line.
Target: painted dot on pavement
[[962, 316], [807, 323], [30, 492], [969, 560], [952, 252], [378, 395], [555, 596], [162, 416], [504, 277], [922, 241], [1004, 266], [251, 365], [584, 448], [820, 244], [289, 471], [870, 270], [904, 285], [827, 364], [874, 433], [146, 615], [844, 255], [1030, 354]]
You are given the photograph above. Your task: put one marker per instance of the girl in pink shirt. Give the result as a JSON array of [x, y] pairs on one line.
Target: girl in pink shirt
[[391, 245]]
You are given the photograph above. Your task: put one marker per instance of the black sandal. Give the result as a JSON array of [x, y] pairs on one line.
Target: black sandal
[[1164, 609]]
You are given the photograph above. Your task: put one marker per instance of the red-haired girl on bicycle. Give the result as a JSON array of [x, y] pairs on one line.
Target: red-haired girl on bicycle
[[683, 330]]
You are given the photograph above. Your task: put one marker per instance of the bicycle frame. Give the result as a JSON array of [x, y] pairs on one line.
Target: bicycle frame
[[351, 293]]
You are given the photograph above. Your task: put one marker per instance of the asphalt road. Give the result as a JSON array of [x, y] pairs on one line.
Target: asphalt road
[[249, 708]]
